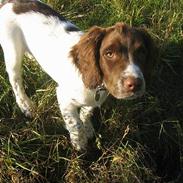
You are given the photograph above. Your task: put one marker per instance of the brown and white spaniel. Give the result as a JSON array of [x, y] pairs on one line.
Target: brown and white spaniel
[[86, 66]]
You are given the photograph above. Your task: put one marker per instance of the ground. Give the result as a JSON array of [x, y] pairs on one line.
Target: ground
[[139, 141]]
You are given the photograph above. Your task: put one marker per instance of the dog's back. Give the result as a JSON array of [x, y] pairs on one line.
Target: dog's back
[[35, 31], [30, 26]]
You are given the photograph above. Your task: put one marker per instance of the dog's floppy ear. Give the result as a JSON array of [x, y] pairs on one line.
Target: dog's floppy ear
[[152, 55], [86, 57]]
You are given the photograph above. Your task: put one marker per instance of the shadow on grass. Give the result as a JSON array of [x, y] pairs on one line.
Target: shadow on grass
[[162, 134], [160, 121]]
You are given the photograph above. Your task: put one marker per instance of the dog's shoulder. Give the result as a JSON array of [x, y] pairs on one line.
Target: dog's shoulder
[[24, 6], [21, 7]]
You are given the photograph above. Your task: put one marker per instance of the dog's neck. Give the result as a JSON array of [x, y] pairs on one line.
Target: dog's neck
[[98, 90]]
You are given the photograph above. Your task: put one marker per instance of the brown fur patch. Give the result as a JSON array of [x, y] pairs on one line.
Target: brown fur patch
[[86, 57], [23, 6], [152, 54]]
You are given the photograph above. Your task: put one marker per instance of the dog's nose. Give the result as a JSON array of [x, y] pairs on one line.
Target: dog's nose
[[132, 84]]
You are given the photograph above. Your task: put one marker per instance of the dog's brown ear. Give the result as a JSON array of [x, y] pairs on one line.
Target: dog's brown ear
[[86, 57]]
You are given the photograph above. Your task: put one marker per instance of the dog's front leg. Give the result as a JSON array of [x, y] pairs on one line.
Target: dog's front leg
[[13, 53], [85, 114], [72, 121]]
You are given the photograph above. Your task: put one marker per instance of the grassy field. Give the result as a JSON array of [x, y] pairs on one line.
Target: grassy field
[[141, 141]]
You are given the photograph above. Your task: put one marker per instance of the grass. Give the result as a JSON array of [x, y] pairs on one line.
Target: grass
[[146, 136]]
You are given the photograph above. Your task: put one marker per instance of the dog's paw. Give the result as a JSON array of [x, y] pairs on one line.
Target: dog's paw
[[79, 140], [27, 108], [29, 112]]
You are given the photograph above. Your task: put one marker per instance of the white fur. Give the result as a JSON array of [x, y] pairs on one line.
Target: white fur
[[46, 39], [133, 70]]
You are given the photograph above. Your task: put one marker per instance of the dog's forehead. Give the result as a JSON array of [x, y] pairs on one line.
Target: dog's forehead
[[130, 38], [114, 37], [137, 37]]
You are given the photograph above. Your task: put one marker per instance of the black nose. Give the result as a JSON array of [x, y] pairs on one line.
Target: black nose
[[132, 84]]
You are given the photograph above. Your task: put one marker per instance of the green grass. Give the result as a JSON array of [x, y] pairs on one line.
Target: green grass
[[141, 141]]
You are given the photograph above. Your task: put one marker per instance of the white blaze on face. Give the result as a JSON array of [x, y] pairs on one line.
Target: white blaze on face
[[133, 71]]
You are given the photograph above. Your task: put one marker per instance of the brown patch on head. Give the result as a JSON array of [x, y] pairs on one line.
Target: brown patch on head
[[148, 53], [114, 55], [121, 27], [24, 6], [86, 57], [142, 51]]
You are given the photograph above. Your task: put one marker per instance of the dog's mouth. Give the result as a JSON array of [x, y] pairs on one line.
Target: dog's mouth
[[122, 92], [129, 96]]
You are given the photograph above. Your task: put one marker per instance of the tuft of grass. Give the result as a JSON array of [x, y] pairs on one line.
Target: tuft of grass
[[139, 141]]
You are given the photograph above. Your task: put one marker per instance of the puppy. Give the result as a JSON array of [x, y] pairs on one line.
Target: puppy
[[86, 66]]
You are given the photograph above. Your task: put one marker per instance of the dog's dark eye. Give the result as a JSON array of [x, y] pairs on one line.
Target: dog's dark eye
[[109, 53]]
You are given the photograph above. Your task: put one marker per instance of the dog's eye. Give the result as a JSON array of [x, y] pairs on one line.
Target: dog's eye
[[109, 53]]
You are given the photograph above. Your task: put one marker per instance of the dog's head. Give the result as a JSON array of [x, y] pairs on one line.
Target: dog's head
[[121, 57]]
